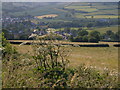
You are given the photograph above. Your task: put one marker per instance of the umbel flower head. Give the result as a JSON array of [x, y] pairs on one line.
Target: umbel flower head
[[32, 35]]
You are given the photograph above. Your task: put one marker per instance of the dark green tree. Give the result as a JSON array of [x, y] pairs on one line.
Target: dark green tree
[[94, 36], [82, 33]]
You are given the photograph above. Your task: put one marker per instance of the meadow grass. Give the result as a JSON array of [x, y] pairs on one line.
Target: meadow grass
[[99, 57]]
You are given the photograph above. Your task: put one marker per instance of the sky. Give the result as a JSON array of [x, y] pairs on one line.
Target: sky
[[60, 0]]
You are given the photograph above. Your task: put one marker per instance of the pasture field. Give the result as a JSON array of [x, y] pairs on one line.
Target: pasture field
[[79, 15], [104, 29], [88, 9], [113, 28], [77, 7], [98, 57]]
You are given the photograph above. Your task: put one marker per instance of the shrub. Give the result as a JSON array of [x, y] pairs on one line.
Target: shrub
[[92, 39], [87, 77], [8, 50]]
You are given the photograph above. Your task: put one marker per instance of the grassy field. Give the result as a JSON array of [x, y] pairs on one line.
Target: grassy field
[[113, 28], [104, 29], [87, 10], [99, 57], [79, 15]]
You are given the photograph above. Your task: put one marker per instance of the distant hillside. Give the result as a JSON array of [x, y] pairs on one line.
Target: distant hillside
[[31, 8], [64, 10]]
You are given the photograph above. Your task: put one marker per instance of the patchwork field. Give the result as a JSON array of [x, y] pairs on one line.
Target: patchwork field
[[98, 10]]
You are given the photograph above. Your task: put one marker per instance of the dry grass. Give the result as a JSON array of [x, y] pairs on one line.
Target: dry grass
[[49, 15], [99, 57], [67, 42], [95, 56]]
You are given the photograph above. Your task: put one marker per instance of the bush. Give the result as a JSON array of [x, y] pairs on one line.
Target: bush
[[85, 38], [8, 50], [82, 33], [78, 39], [82, 77], [86, 77], [92, 39]]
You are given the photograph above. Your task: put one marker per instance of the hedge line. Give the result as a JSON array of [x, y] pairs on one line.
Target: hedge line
[[95, 45], [75, 45], [116, 45]]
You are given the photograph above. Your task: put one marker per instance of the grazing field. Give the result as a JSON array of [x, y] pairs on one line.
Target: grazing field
[[77, 7], [113, 28], [79, 15], [99, 57], [88, 9], [104, 29]]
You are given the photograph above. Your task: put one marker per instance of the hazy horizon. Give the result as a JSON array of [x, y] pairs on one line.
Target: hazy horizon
[[59, 1]]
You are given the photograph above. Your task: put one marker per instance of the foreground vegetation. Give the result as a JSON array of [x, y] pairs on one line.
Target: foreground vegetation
[[48, 67]]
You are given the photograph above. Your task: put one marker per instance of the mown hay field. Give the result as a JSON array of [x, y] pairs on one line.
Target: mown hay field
[[49, 15]]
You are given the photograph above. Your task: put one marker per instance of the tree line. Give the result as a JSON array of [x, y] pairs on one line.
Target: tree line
[[95, 36]]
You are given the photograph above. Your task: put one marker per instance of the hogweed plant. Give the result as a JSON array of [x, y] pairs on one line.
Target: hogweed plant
[[49, 54]]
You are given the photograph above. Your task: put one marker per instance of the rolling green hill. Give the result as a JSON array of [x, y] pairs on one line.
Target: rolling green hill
[[75, 9]]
